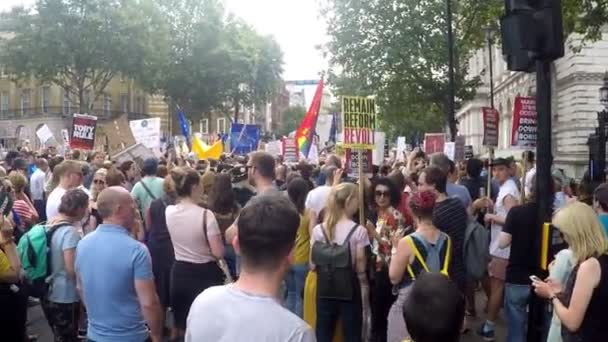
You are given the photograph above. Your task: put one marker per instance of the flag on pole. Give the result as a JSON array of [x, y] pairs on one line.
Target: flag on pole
[[183, 123], [306, 130], [334, 129]]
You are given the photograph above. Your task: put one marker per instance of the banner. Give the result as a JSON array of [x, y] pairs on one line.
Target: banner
[[524, 131], [244, 138], [83, 132], [146, 132], [290, 150], [433, 143], [358, 122], [490, 126], [44, 134], [352, 163]]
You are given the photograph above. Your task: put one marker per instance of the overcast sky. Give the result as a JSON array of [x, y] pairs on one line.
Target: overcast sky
[[294, 23]]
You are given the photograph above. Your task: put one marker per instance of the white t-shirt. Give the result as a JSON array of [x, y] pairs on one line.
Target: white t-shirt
[[37, 185], [185, 225], [509, 188], [529, 177], [227, 314], [317, 198], [359, 239], [53, 202]]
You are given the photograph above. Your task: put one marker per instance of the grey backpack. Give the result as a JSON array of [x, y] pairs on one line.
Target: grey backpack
[[476, 250]]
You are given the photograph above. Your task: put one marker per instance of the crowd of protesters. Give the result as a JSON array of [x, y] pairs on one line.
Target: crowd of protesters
[[250, 248]]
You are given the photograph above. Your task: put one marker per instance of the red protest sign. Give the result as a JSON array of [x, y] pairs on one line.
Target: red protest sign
[[83, 132], [434, 142], [490, 126], [290, 150], [524, 131]]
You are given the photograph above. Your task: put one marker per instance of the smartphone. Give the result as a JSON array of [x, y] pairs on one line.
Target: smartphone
[[535, 278]]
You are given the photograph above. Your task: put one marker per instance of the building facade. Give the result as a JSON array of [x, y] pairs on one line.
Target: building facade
[[576, 79]]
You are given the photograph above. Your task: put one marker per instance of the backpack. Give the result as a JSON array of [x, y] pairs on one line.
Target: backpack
[[335, 274], [427, 257], [476, 250], [34, 250]]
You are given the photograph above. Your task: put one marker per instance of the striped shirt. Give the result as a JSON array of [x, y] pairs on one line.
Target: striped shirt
[[24, 212], [451, 218]]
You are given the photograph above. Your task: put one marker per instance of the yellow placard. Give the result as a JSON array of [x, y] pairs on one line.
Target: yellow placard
[[359, 122]]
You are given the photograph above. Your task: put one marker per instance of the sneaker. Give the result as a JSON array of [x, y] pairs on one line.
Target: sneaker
[[487, 335]]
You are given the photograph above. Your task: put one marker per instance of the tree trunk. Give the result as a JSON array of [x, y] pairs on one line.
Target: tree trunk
[[82, 106]]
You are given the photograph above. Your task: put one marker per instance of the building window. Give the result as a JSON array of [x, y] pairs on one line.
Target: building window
[[124, 103], [4, 102], [67, 104], [26, 97], [45, 99], [107, 104], [221, 125], [204, 126]]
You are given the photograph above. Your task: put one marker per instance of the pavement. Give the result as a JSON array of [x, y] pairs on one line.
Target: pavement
[[37, 324]]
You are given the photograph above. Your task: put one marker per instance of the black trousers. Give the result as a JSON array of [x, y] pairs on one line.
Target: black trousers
[[382, 299], [13, 313]]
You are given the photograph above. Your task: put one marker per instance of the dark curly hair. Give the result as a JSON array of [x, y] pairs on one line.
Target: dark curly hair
[[394, 191]]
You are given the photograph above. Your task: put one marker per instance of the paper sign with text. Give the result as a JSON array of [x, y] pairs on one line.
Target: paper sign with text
[[524, 130], [358, 122], [290, 150], [433, 143], [83, 132], [490, 126], [352, 163]]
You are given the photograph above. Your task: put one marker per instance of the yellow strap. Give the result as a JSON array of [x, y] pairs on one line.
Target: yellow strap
[[448, 256], [418, 256]]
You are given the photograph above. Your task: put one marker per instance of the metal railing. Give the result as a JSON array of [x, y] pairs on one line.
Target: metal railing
[[55, 112]]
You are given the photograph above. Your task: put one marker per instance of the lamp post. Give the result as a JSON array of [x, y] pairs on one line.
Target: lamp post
[[602, 117], [451, 87]]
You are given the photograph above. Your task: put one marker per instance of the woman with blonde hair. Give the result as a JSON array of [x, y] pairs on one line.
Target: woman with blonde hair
[[338, 228], [580, 303]]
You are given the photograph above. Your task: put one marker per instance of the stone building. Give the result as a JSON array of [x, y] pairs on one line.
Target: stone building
[[576, 79]]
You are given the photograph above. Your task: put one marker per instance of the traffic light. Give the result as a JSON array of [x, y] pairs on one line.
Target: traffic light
[[531, 30]]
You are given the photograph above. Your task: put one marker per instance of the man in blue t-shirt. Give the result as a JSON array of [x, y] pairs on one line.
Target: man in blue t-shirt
[[600, 204], [114, 274]]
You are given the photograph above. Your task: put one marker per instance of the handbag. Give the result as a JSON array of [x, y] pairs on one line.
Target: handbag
[[221, 262]]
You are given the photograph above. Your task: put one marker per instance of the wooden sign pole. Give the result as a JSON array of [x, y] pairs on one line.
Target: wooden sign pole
[[361, 189], [490, 159]]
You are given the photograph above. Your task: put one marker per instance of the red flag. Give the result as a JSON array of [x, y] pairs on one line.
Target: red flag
[[306, 130]]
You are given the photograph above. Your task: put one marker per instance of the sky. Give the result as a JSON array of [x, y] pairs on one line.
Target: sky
[[296, 25]]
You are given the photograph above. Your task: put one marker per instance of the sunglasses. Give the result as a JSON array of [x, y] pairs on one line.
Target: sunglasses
[[98, 181], [382, 193]]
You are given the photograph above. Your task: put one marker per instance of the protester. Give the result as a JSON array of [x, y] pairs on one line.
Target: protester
[[62, 304], [448, 167], [53, 178], [37, 182], [197, 243], [338, 227], [434, 310], [405, 186], [316, 200], [281, 180], [297, 190], [115, 271], [97, 186], [508, 197], [473, 181], [26, 214], [580, 303], [266, 235], [405, 266], [115, 178], [149, 187], [96, 159], [600, 204], [128, 169], [70, 176]]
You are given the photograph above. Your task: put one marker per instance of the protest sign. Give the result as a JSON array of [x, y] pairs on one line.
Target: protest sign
[[380, 150], [358, 122], [244, 138], [459, 149], [468, 152], [524, 130], [83, 132], [138, 153], [352, 163], [433, 143], [119, 135], [273, 147], [65, 135], [290, 150], [449, 149], [401, 148], [490, 126], [146, 132], [44, 134]]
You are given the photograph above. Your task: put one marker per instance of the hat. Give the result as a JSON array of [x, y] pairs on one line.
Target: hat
[[500, 162], [150, 166]]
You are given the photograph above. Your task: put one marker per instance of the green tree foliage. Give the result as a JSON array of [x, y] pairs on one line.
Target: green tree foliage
[[80, 45], [397, 51], [291, 119]]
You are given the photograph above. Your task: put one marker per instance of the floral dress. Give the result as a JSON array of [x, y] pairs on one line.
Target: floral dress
[[389, 224]]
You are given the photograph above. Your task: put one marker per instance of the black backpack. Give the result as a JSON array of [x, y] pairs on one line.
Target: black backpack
[[335, 274]]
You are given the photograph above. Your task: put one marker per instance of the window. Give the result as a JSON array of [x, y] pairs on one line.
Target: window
[[204, 126], [45, 99], [67, 104], [4, 102], [221, 125], [107, 104], [26, 95], [124, 103]]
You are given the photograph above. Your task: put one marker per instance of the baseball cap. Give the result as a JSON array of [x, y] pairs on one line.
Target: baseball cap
[[500, 162]]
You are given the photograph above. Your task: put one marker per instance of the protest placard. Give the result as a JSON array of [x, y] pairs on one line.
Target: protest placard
[[146, 132], [119, 135], [290, 150], [380, 150], [524, 130], [244, 138], [83, 132], [433, 143], [138, 153], [490, 126], [358, 122], [44, 134], [352, 163]]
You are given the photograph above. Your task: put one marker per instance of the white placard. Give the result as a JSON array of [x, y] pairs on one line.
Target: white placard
[[146, 132], [65, 135], [378, 151], [401, 148], [449, 149], [273, 147], [44, 134]]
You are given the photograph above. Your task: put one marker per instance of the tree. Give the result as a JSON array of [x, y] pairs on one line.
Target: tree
[[397, 51], [291, 119], [80, 45]]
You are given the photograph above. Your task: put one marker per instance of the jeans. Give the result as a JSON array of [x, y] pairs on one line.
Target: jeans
[[349, 312], [295, 288], [516, 302]]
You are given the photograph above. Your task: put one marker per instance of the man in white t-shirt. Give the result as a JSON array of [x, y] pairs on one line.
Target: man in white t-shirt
[[70, 177], [249, 309], [316, 200], [507, 198]]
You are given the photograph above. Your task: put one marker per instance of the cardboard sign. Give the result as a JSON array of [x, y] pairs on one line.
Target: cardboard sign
[[146, 132], [44, 134], [525, 125], [290, 150], [119, 135], [83, 132], [358, 122], [490, 127], [433, 143], [352, 163]]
